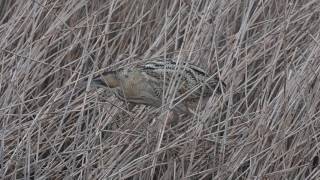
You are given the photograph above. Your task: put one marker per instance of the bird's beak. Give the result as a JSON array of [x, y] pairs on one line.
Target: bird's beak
[[99, 82], [107, 79]]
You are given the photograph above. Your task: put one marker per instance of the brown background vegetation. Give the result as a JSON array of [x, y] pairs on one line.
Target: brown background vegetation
[[265, 126]]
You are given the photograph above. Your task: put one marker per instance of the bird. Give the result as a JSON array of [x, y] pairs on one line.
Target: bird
[[153, 81]]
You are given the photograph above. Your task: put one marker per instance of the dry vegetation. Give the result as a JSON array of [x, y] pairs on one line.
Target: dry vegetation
[[265, 126]]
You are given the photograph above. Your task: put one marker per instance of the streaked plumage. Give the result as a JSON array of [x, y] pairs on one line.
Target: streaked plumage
[[150, 82]]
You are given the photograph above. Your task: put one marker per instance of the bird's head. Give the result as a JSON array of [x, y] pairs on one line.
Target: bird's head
[[107, 79]]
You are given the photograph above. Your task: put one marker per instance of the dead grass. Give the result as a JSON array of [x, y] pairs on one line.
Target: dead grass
[[265, 126]]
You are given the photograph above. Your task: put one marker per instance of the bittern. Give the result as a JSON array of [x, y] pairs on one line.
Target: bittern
[[157, 79]]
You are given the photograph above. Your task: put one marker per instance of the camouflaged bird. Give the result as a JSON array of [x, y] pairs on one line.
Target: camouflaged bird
[[150, 82]]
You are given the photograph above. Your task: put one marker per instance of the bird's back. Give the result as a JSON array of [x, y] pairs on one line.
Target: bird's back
[[190, 81]]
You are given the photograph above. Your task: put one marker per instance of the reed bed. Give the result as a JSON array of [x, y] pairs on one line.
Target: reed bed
[[266, 125]]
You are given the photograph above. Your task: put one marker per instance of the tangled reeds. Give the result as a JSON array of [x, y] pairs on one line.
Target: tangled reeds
[[266, 124]]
